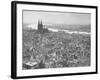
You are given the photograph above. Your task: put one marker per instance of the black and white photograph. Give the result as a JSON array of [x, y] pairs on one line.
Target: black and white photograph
[[54, 39]]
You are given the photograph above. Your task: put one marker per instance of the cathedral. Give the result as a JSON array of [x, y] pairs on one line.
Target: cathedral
[[41, 28]]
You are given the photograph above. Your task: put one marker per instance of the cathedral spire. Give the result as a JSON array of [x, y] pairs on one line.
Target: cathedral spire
[[40, 26], [41, 29]]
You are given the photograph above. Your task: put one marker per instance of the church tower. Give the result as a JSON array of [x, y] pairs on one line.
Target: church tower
[[40, 25], [41, 29]]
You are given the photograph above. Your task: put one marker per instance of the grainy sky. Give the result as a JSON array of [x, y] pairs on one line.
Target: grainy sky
[[32, 17]]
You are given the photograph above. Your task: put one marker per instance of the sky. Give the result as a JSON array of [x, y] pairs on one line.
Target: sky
[[32, 17]]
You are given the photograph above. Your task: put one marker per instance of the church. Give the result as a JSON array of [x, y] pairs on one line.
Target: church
[[41, 28]]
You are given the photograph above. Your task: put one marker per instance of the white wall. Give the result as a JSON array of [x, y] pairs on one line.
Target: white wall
[[5, 39]]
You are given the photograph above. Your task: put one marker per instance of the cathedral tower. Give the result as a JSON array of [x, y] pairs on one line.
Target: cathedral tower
[[40, 25]]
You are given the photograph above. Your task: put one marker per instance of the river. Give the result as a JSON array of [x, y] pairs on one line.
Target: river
[[70, 32]]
